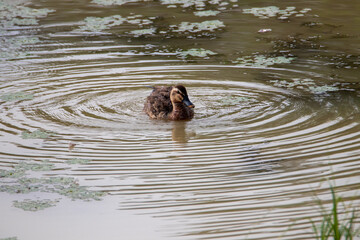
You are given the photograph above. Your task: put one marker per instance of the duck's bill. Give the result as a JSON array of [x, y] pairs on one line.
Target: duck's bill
[[188, 103]]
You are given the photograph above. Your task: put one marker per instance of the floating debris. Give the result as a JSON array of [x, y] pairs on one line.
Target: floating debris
[[72, 146], [265, 30], [206, 13], [34, 205], [196, 52], [37, 134], [296, 42], [262, 61], [17, 96], [312, 24], [273, 11], [345, 61]]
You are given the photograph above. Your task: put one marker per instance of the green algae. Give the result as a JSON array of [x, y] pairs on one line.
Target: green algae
[[115, 2], [184, 3], [138, 20], [20, 41], [323, 89], [305, 84], [17, 182], [26, 165], [13, 13], [297, 83], [37, 134], [16, 96], [98, 24], [20, 22], [196, 52], [142, 32], [9, 55], [11, 9], [17, 173], [76, 192], [195, 27], [234, 100], [65, 186], [78, 161], [206, 13], [261, 61], [150, 26], [34, 205], [68, 187], [62, 181], [273, 11], [200, 4], [13, 47], [20, 189]]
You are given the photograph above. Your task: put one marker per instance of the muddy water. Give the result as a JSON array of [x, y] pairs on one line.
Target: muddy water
[[276, 121]]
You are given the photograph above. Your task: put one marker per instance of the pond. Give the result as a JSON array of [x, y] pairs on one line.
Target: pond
[[277, 118]]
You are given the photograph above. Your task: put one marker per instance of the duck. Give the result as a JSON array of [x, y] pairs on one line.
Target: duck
[[169, 103]]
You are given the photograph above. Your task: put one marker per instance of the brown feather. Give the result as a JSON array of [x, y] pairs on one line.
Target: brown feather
[[158, 104]]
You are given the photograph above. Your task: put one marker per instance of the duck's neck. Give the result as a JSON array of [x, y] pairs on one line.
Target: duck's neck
[[179, 111]]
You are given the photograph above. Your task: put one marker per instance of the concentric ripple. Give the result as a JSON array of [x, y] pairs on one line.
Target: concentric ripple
[[248, 162], [264, 145]]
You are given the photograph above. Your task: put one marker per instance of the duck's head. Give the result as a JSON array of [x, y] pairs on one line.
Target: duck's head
[[179, 95]]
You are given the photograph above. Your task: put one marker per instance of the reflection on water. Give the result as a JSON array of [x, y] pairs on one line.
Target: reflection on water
[[179, 133], [276, 90]]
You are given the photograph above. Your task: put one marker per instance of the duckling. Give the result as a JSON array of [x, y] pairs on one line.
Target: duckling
[[169, 103]]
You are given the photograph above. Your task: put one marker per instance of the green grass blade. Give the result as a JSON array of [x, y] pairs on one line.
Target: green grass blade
[[335, 222]]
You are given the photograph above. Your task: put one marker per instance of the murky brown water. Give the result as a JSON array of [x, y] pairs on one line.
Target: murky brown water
[[276, 117]]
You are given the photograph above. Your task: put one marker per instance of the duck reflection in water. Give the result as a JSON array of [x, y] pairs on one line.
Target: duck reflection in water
[[179, 133], [169, 103]]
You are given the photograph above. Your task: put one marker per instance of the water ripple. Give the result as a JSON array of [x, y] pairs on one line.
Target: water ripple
[[250, 159]]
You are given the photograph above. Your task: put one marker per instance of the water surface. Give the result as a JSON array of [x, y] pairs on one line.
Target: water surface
[[276, 121]]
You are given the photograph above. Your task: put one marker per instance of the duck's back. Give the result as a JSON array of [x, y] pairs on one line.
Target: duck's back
[[158, 104]]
